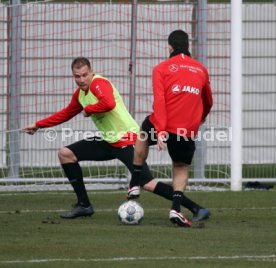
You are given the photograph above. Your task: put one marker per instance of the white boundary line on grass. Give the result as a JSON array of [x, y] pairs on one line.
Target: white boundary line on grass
[[270, 258], [113, 210]]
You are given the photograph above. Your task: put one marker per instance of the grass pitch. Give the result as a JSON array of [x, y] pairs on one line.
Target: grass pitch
[[240, 233]]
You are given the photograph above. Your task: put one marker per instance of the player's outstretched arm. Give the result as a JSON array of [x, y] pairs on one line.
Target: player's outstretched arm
[[30, 129]]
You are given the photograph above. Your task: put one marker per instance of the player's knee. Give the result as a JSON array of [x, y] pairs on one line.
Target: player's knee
[[150, 186], [147, 187], [66, 155], [180, 164], [139, 155]]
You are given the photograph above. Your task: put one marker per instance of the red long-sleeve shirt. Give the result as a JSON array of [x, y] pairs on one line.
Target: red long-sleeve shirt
[[102, 89], [182, 96]]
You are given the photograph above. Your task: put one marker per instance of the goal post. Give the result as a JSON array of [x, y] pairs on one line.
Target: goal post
[[236, 95]]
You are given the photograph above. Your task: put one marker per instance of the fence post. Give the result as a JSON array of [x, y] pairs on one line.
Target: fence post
[[201, 52], [14, 73], [132, 63]]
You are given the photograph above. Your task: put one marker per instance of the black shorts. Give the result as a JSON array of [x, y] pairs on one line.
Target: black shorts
[[181, 149], [98, 150]]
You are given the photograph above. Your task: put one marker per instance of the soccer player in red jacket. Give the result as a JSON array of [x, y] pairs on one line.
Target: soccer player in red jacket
[[182, 100]]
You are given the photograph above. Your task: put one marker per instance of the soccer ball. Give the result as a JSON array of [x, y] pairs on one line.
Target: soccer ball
[[130, 212]]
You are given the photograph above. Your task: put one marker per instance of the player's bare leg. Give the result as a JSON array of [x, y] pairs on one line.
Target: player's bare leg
[[141, 151], [140, 155], [180, 176], [65, 156], [180, 180]]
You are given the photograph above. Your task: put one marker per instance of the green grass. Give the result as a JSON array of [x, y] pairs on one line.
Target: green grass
[[164, 171], [242, 224]]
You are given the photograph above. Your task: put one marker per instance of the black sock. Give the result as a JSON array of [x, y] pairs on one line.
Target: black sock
[[166, 191], [177, 196], [135, 176], [189, 204], [74, 174]]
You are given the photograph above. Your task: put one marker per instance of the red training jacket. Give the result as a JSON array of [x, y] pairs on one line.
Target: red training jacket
[[103, 90], [182, 96]]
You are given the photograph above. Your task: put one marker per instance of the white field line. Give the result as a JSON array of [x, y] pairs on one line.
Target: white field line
[[270, 258], [113, 210]]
